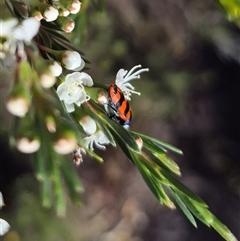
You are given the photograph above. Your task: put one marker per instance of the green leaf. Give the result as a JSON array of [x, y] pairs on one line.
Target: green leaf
[[199, 211], [166, 200], [72, 180], [183, 207], [177, 185], [59, 196], [39, 165], [160, 144], [45, 38], [148, 143], [94, 155], [46, 192], [231, 8], [222, 230], [151, 180], [117, 130], [168, 162]]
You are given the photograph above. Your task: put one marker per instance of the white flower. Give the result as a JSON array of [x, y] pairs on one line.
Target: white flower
[[96, 136], [72, 90], [17, 35], [72, 60], [4, 225], [124, 76]]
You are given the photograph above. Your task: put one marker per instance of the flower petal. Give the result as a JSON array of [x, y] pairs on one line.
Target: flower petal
[[70, 107], [86, 79], [88, 124], [27, 29], [62, 90], [7, 26], [1, 200]]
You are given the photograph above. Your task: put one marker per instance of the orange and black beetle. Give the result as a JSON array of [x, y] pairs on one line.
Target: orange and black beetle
[[119, 106]]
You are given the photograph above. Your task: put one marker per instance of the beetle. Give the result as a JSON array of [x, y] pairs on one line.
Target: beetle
[[119, 108]]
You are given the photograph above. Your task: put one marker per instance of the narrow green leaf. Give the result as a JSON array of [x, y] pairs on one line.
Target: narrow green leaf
[[39, 165], [122, 144], [148, 143], [168, 162], [94, 155], [117, 129], [72, 180], [59, 197], [183, 207], [177, 185], [160, 144], [45, 38], [151, 180], [222, 230], [46, 192], [167, 201], [199, 211], [146, 175]]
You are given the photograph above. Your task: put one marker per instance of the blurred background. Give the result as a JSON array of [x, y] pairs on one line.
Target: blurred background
[[189, 98]]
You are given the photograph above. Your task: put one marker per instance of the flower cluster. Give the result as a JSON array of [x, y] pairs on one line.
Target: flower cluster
[[57, 106], [48, 68]]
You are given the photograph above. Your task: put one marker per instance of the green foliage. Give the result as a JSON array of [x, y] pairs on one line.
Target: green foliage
[[231, 8], [48, 123]]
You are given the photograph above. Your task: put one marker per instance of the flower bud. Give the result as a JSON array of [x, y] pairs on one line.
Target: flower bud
[[17, 106], [55, 68], [139, 142], [75, 7], [88, 124], [72, 60], [47, 79], [51, 124], [36, 14], [49, 12], [46, 70], [65, 145], [18, 100], [63, 12], [77, 155], [66, 24], [102, 98], [27, 145]]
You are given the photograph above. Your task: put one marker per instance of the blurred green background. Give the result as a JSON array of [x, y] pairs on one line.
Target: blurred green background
[[190, 98]]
